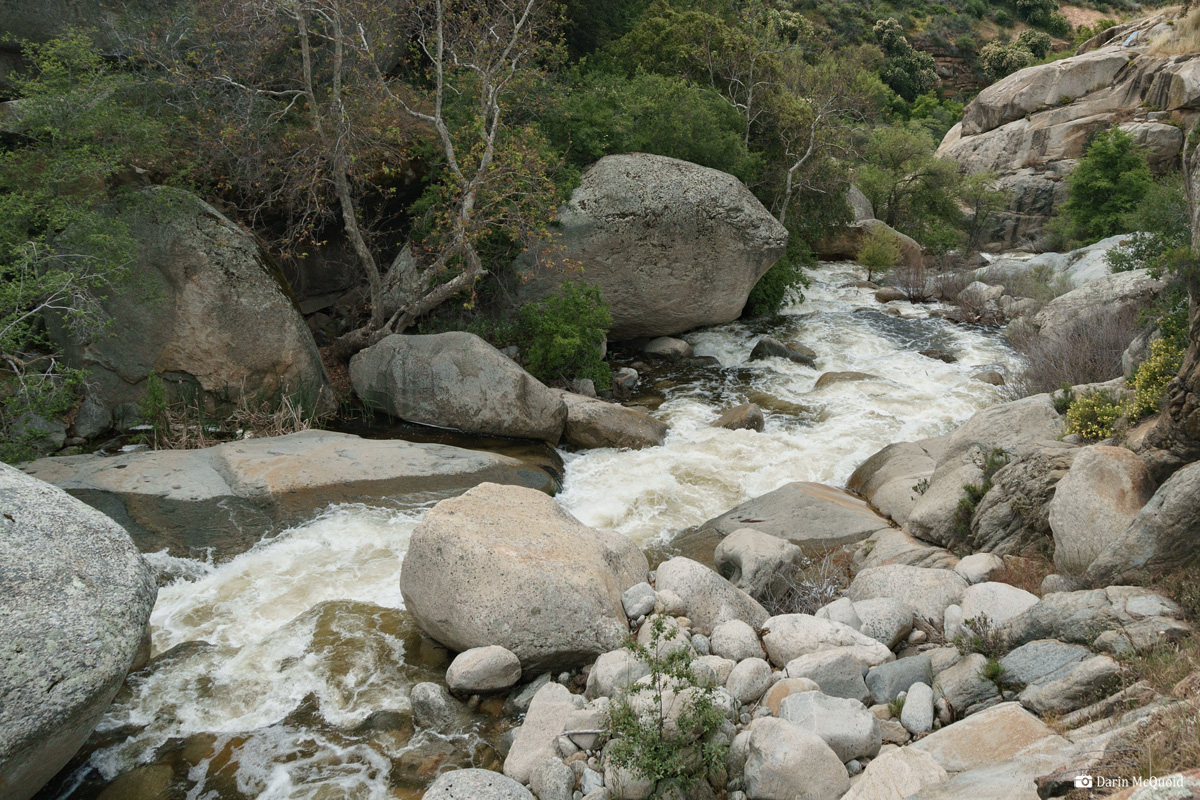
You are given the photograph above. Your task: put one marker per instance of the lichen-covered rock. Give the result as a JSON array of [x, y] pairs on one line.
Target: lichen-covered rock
[[76, 600], [523, 574], [672, 245]]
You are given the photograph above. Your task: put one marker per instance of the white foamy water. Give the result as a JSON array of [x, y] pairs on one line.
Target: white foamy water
[[815, 435], [276, 658]]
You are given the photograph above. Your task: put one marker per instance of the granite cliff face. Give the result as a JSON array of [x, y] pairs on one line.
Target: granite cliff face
[[1032, 126]]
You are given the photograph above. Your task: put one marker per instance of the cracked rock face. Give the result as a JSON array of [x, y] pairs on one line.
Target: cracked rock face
[[75, 598], [672, 245]]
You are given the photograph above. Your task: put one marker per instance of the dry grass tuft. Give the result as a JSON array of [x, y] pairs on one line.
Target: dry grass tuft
[[1026, 572], [818, 582], [1088, 352], [1184, 37]]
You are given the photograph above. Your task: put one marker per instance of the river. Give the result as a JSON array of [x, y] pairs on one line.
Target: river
[[288, 667]]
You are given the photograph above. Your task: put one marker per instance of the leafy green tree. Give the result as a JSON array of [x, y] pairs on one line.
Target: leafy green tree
[[936, 115], [879, 252], [1036, 42], [81, 130], [911, 189], [562, 335], [998, 59], [608, 113], [982, 196], [908, 71], [1111, 180]]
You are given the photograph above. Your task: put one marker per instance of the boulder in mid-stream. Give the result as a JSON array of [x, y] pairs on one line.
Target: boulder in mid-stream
[[503, 565], [476, 784], [184, 500], [598, 423], [75, 600], [672, 245], [457, 380]]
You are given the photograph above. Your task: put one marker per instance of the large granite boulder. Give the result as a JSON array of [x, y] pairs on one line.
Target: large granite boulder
[[205, 313], [672, 245], [598, 423], [501, 565], [1095, 502], [1162, 536], [927, 591], [76, 600], [1123, 293], [845, 243], [708, 598], [183, 500], [456, 380]]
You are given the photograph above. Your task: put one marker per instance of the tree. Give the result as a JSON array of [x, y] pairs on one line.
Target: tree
[[910, 188], [80, 128], [321, 101], [999, 59], [908, 71], [982, 196], [1110, 181], [879, 252], [1036, 42]]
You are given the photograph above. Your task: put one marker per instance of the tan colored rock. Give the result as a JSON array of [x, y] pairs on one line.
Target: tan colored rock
[[993, 735], [789, 636], [784, 688], [523, 574], [830, 378], [747, 416], [596, 423], [897, 774], [1095, 502], [709, 598]]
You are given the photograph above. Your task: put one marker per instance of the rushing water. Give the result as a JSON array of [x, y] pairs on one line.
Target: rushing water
[[285, 672]]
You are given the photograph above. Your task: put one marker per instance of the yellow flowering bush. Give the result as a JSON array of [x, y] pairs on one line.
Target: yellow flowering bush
[[1093, 416], [1151, 379]]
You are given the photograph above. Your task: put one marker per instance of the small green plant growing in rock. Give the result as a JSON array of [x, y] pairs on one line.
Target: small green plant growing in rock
[[921, 486], [993, 672], [983, 637], [153, 406], [896, 707], [965, 512], [666, 729], [1150, 380], [1063, 398], [1094, 416]]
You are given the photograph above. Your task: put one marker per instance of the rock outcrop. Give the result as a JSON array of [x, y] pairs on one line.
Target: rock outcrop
[[205, 314], [506, 566], [672, 245], [181, 499], [1032, 126], [456, 380], [76, 602]]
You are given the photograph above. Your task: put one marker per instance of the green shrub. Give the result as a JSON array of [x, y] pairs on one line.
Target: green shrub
[[999, 59], [1035, 42], [645, 739], [560, 336], [1152, 376], [1093, 416], [879, 252], [964, 513], [772, 288], [909, 72], [1111, 180]]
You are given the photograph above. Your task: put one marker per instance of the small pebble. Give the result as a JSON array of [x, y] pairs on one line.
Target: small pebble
[[853, 766]]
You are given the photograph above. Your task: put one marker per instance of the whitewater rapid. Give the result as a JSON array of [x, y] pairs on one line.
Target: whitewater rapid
[[287, 669]]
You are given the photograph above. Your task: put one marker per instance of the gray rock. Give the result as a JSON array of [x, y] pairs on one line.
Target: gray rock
[[926, 591], [917, 714], [92, 419], [483, 669], [476, 784], [766, 347], [891, 479], [1095, 502], [979, 567], [549, 715], [648, 230], [965, 688], [590, 781], [433, 708], [1098, 300], [700, 644], [709, 598], [892, 546], [552, 780], [749, 680], [716, 666], [1080, 617], [1042, 661], [836, 672], [524, 574], [1079, 685], [598, 423], [805, 514], [205, 313], [735, 640], [756, 562], [623, 783], [999, 602], [614, 672], [789, 636], [784, 761], [668, 349], [1161, 537], [840, 610], [884, 619], [1014, 516], [747, 416], [77, 600], [518, 702], [638, 600], [456, 380], [845, 725], [887, 681]]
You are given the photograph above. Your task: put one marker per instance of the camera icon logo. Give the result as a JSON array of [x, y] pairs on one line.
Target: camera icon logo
[[1083, 781]]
